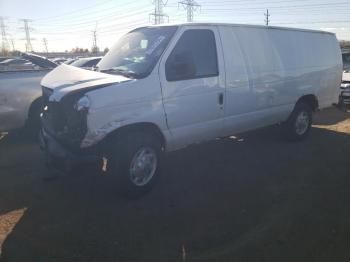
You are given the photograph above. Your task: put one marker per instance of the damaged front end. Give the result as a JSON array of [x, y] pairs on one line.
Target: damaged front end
[[63, 120], [63, 129], [65, 112]]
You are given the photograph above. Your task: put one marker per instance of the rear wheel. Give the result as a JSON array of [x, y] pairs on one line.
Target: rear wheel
[[298, 125], [134, 163]]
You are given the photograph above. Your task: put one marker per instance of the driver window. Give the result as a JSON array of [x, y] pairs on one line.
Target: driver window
[[194, 56]]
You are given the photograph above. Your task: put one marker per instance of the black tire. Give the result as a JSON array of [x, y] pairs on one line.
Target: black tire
[[124, 149], [292, 130]]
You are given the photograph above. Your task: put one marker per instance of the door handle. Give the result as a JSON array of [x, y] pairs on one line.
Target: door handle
[[221, 99]]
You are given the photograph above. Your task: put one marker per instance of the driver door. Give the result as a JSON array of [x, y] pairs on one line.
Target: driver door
[[193, 84]]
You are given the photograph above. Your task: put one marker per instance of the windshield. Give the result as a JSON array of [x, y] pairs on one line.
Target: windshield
[[136, 53]]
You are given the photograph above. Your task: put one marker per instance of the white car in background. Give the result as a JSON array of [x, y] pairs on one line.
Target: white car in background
[[20, 95], [14, 64], [20, 91], [345, 88]]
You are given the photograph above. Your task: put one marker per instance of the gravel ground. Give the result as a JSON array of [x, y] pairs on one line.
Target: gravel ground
[[250, 198]]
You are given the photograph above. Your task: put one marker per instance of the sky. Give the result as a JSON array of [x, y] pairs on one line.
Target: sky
[[70, 23]]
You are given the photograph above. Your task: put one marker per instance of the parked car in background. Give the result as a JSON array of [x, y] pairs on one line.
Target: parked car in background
[[12, 64], [2, 58], [345, 88], [162, 88], [86, 62], [71, 60], [59, 60], [20, 95]]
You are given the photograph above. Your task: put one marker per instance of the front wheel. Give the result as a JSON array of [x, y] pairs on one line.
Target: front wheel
[[134, 163], [298, 125]]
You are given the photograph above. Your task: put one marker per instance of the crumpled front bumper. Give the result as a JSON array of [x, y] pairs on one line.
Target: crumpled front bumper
[[59, 157]]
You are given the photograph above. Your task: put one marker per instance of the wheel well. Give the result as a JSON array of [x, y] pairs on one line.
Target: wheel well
[[310, 100], [149, 128]]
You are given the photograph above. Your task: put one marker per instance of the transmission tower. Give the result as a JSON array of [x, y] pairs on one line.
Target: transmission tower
[[191, 6], [267, 17], [158, 15], [94, 48], [45, 44], [13, 44], [4, 42], [27, 30]]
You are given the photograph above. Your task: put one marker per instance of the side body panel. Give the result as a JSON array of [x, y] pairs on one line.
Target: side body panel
[[17, 92], [309, 63], [269, 69], [266, 77]]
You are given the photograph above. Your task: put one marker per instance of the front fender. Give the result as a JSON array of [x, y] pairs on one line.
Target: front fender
[[103, 122]]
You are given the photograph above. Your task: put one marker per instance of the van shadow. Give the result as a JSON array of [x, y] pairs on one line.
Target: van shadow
[[240, 199], [331, 116]]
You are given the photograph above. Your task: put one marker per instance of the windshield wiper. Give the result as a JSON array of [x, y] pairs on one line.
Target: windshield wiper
[[120, 71]]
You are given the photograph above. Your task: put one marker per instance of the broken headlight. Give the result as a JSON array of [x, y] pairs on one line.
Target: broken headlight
[[83, 104]]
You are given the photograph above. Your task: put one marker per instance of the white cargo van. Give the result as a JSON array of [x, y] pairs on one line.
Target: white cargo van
[[161, 88]]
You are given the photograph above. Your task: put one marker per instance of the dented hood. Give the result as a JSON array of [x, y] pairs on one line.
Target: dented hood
[[65, 79]]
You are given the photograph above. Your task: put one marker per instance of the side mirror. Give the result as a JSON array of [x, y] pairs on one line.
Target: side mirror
[[180, 67]]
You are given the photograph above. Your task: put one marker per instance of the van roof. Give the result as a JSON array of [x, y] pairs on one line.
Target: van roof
[[244, 25]]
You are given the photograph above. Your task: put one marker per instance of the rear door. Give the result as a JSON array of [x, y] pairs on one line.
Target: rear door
[[193, 83]]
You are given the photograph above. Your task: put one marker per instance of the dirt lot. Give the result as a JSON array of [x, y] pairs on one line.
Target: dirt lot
[[253, 198]]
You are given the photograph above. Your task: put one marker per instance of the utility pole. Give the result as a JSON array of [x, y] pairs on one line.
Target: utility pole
[[27, 29], [267, 17], [45, 44], [4, 42], [94, 48], [191, 6], [158, 12]]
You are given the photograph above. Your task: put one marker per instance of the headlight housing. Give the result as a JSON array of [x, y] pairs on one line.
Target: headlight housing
[[83, 104]]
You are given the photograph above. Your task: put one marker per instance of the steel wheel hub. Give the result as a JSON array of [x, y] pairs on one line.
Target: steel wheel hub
[[143, 166], [302, 123]]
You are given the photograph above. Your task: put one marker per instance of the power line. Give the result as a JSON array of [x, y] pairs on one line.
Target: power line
[[158, 14], [191, 6], [74, 11], [267, 17], [304, 7], [92, 20], [115, 25], [94, 16], [27, 30], [257, 2]]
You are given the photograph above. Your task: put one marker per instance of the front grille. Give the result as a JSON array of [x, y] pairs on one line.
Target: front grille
[[62, 121]]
